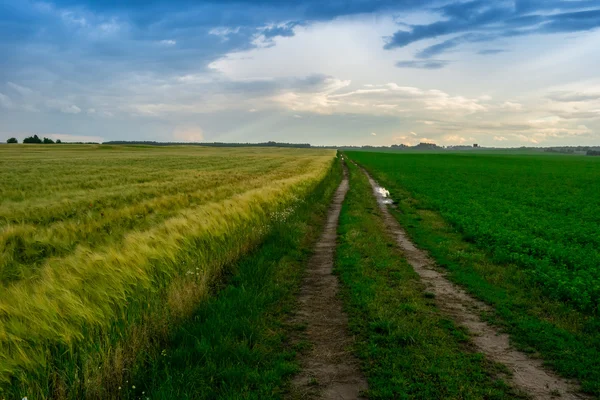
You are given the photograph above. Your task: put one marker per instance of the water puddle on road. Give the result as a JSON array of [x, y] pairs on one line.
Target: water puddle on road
[[383, 195]]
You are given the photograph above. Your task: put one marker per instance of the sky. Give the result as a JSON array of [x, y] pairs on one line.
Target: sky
[[355, 72]]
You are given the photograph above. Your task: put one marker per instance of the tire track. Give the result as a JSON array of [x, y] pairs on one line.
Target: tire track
[[529, 375], [329, 370]]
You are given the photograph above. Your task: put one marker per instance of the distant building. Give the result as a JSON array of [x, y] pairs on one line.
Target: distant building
[[475, 145]]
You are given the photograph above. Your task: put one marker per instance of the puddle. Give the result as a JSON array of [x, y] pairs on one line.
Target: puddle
[[383, 195]]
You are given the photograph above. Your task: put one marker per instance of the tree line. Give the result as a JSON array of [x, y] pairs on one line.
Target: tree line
[[35, 140]]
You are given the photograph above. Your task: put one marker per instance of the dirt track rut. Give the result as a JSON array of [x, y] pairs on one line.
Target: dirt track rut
[[329, 370], [529, 375]]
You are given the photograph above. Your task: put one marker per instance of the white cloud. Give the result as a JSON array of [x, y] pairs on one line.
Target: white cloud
[[188, 134], [70, 109], [392, 93], [526, 139], [408, 141], [319, 102], [168, 42], [512, 106], [373, 134], [62, 106], [5, 101], [224, 32], [22, 90], [108, 27], [499, 138], [71, 18], [454, 139]]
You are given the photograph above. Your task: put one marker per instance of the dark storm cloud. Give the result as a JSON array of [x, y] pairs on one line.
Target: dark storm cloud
[[479, 20]]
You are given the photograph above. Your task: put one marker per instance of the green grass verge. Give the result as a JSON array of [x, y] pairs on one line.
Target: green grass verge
[[236, 345], [407, 348], [566, 339]]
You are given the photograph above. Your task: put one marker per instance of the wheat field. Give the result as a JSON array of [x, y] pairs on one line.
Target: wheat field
[[104, 248]]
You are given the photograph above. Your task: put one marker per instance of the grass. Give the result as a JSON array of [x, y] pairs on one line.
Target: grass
[[407, 348], [488, 220], [104, 250]]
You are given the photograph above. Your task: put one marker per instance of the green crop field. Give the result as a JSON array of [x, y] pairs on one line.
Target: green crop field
[[521, 232], [103, 250]]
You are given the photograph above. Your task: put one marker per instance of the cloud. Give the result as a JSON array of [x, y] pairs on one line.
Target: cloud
[[168, 42], [526, 139], [437, 49], [188, 134], [312, 94], [428, 64], [488, 52], [454, 139], [70, 109], [373, 134], [511, 106], [392, 93], [484, 21], [283, 30], [499, 138], [22, 90], [62, 106], [5, 101], [574, 96], [328, 97]]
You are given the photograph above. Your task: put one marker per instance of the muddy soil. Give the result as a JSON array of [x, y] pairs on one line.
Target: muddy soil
[[528, 374], [329, 370]]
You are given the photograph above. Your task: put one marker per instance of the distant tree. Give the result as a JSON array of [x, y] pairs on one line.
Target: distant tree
[[32, 139], [58, 141], [48, 141], [593, 153], [12, 140]]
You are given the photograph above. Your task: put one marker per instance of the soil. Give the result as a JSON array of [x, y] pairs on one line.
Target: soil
[[329, 369], [528, 374]]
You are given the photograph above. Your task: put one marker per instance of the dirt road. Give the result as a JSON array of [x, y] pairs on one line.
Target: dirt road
[[329, 370], [529, 375]]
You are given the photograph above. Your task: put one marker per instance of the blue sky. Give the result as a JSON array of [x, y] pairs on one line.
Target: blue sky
[[497, 73]]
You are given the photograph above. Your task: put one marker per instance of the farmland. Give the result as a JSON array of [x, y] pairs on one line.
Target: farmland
[[194, 272], [520, 233], [104, 250]]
